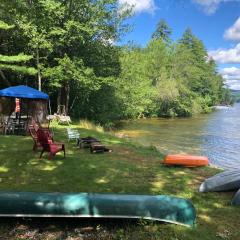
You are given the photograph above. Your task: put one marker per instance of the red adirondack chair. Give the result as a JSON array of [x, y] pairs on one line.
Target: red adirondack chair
[[33, 132], [49, 145]]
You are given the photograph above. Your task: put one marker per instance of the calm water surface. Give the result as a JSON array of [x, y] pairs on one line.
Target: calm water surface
[[216, 135]]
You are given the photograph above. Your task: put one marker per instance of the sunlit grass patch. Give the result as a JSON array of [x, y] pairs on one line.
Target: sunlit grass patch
[[86, 124]]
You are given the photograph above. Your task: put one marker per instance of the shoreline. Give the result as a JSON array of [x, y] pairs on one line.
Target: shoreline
[[127, 138], [130, 169]]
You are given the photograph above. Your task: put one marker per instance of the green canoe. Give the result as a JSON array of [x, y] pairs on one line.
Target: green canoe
[[159, 208]]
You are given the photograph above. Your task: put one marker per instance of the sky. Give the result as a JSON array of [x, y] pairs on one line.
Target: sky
[[215, 22]]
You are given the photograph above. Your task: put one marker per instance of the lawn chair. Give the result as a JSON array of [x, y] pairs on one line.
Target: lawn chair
[[34, 125], [73, 134], [32, 128], [9, 127], [48, 145], [64, 119], [33, 134]]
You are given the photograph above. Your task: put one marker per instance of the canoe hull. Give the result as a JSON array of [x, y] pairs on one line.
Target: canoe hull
[[160, 207], [186, 160], [236, 199], [225, 181]]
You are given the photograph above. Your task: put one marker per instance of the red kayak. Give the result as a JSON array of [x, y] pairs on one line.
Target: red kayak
[[186, 160]]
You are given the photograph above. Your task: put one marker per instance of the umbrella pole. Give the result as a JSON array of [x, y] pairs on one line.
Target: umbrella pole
[[27, 121], [50, 113]]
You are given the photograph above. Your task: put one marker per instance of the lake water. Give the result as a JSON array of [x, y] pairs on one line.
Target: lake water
[[216, 135]]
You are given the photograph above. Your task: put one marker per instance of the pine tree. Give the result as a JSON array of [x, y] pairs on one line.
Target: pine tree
[[8, 63], [163, 31]]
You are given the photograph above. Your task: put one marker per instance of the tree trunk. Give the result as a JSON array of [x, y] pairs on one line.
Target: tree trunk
[[67, 91], [39, 72], [4, 78], [63, 97], [59, 98]]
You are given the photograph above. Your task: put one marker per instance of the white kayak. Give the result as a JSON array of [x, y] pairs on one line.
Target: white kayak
[[225, 181]]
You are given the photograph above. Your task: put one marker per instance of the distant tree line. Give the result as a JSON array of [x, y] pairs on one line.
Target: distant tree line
[[236, 95], [66, 48]]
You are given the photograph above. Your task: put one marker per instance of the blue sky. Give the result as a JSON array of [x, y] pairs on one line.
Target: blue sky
[[215, 22]]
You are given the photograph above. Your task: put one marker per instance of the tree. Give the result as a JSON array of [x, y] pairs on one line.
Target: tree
[[156, 53], [71, 44], [70, 32], [168, 79], [163, 31], [8, 63], [196, 72], [134, 87]]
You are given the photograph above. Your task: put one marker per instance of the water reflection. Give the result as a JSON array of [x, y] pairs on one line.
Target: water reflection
[[216, 135]]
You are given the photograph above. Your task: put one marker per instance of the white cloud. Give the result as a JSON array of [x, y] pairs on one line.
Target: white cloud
[[231, 55], [234, 85], [210, 6], [233, 33], [232, 77], [231, 71], [138, 5]]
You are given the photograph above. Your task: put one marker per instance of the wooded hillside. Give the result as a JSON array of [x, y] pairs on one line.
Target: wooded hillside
[[68, 49]]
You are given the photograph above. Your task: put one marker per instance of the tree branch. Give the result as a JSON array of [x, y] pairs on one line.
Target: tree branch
[[4, 78]]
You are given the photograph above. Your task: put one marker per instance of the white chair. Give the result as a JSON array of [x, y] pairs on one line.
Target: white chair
[[64, 119], [9, 127], [73, 134]]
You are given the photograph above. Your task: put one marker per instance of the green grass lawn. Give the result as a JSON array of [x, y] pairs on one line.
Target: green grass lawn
[[128, 169]]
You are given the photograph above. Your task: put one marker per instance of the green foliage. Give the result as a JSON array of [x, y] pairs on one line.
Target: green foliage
[[227, 97], [19, 69], [5, 26], [18, 58], [7, 62], [67, 70], [134, 87], [170, 80], [71, 44]]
